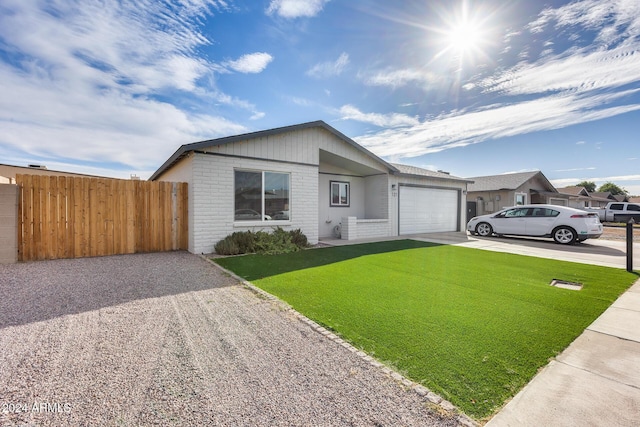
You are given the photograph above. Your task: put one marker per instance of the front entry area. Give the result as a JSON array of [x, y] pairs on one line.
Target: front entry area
[[428, 209]]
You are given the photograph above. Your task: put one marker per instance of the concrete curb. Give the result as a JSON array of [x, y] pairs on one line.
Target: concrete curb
[[406, 383]]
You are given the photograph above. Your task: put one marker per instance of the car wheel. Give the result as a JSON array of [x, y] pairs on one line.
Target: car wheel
[[483, 229], [564, 235]]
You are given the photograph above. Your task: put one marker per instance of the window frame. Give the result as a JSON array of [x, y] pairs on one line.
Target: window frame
[[347, 186], [262, 213]]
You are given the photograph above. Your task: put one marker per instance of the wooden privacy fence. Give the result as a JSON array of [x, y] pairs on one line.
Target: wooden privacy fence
[[70, 217]]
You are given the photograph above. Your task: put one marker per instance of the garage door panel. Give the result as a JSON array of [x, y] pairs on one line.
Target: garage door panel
[[428, 210]]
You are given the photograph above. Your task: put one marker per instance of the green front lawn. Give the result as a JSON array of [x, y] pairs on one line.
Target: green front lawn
[[473, 326]]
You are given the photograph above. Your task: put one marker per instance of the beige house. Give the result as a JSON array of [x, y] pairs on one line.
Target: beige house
[[580, 198], [488, 194]]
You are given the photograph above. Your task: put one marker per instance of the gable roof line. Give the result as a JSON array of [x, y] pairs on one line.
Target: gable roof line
[[509, 181], [186, 148], [408, 170]]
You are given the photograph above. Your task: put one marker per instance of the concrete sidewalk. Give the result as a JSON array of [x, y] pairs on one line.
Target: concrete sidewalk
[[596, 380]]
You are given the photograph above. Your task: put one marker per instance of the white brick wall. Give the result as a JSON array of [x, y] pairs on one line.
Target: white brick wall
[[354, 228], [213, 194], [373, 228]]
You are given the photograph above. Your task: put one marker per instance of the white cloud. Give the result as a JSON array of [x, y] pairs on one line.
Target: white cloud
[[331, 68], [402, 77], [393, 120], [251, 62], [296, 8], [577, 71], [576, 169], [462, 128], [88, 79]]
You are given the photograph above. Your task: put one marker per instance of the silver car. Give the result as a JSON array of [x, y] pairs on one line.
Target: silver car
[[565, 225]]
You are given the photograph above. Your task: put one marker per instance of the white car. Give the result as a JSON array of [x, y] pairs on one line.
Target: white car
[[564, 225]]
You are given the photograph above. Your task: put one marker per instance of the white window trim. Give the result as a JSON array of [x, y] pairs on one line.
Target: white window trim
[[240, 223], [339, 204]]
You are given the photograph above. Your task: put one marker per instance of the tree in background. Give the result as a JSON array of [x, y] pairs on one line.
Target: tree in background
[[590, 186], [612, 188]]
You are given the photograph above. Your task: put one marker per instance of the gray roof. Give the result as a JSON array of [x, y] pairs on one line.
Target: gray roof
[[606, 195], [509, 181], [187, 148], [574, 190], [416, 171]]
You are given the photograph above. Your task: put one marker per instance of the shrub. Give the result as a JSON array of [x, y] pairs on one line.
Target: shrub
[[246, 241], [299, 239], [277, 242], [227, 246]]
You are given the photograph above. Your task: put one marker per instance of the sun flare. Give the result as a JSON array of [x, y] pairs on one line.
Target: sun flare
[[465, 34], [463, 37]]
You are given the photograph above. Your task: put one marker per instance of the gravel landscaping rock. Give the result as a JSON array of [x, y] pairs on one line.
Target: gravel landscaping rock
[[168, 339]]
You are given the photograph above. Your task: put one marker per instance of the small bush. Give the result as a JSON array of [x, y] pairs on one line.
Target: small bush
[[299, 239], [227, 246], [246, 241], [277, 242]]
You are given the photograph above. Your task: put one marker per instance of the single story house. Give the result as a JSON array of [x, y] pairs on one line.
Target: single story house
[[308, 176], [580, 198], [488, 194]]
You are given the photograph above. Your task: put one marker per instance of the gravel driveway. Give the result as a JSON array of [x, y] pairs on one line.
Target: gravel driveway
[[168, 339]]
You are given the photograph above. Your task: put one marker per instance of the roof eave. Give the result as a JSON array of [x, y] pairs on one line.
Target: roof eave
[[180, 152], [442, 178]]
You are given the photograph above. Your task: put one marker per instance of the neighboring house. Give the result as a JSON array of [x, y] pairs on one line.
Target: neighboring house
[[488, 194], [9, 172], [605, 197], [308, 176], [580, 198], [634, 199]]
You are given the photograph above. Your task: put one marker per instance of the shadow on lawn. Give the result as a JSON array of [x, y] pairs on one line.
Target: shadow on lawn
[[254, 266]]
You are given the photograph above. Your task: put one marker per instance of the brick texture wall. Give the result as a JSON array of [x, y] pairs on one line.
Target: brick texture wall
[[213, 199]]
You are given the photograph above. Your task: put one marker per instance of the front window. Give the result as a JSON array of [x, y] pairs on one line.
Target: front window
[[339, 193], [261, 196], [521, 199]]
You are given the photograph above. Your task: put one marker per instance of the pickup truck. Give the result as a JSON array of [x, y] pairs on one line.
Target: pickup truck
[[619, 212]]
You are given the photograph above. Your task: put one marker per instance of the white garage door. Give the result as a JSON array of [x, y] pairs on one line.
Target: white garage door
[[428, 210]]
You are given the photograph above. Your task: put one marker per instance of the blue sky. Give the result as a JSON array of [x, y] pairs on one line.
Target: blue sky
[[471, 87]]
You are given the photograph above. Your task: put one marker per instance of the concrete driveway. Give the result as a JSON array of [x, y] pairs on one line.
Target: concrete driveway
[[610, 253], [168, 339]]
